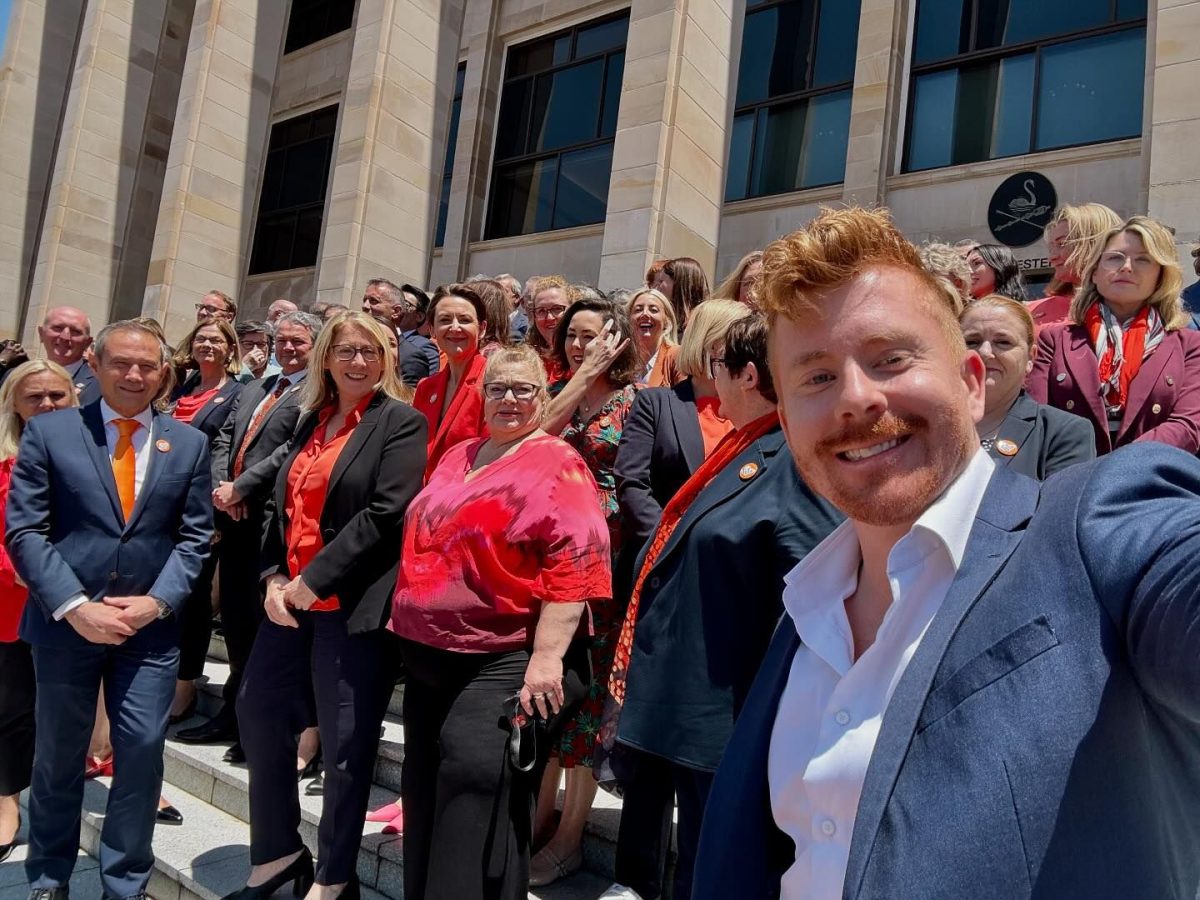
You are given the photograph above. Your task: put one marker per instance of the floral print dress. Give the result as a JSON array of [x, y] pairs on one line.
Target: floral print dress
[[596, 440]]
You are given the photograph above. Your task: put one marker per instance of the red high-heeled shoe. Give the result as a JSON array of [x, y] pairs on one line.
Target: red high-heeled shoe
[[384, 813], [96, 768]]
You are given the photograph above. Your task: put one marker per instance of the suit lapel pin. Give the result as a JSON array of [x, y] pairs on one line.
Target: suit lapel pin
[[748, 471], [162, 446], [433, 398], [79, 385], [217, 401], [1006, 447]]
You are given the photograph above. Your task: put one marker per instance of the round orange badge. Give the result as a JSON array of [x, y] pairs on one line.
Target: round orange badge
[[162, 446], [748, 471], [1006, 447]]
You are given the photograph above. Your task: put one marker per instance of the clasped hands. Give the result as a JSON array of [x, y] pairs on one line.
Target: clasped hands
[[114, 619], [281, 594], [226, 499]]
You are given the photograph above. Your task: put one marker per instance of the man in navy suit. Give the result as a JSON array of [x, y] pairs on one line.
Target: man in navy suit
[[109, 522], [66, 334], [983, 686]]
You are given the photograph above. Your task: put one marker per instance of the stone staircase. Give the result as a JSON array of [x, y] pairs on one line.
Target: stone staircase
[[209, 855]]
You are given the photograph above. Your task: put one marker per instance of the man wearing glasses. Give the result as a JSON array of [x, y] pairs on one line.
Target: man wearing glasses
[[216, 305]]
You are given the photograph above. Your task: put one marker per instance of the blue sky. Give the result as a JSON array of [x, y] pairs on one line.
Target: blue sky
[[5, 12]]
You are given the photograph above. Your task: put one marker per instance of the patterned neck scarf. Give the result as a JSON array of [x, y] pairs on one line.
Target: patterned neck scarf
[[1120, 350]]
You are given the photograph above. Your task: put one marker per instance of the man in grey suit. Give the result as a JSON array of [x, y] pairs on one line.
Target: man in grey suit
[[244, 463]]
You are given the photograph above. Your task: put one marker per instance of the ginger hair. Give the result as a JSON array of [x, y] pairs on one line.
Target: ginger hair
[[839, 245]]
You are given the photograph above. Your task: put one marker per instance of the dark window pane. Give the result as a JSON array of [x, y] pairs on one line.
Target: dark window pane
[[562, 49], [605, 36], [931, 131], [307, 240], [452, 137], [1130, 9], [523, 198], [1004, 22], [512, 127], [312, 20], [777, 146], [272, 181], [566, 106], [535, 56], [994, 109], [460, 78], [612, 94], [439, 237], [837, 42], [324, 122], [273, 243], [583, 187], [775, 48], [738, 171], [1091, 90], [827, 132], [943, 29], [304, 173]]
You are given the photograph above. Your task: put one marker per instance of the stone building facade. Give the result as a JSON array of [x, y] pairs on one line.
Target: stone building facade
[[151, 150]]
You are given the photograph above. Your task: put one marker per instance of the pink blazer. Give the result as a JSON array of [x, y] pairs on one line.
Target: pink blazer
[[1164, 398]]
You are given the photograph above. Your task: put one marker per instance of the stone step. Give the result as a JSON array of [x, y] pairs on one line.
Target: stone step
[[199, 770]]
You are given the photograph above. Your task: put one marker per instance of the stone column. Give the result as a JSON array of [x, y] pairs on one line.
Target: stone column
[[668, 174], [876, 104], [1174, 129], [391, 142], [34, 74], [99, 152], [206, 214]]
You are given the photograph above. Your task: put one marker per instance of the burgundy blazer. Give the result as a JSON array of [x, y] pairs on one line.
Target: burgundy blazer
[[1164, 397]]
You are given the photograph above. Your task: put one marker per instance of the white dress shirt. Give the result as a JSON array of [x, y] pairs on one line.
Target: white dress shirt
[[141, 462], [831, 709]]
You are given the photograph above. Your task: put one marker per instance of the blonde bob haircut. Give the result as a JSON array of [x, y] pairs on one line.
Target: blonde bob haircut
[[1087, 224], [523, 358], [670, 335], [707, 325], [185, 359], [10, 423], [319, 388], [1160, 245], [802, 268], [1015, 308]]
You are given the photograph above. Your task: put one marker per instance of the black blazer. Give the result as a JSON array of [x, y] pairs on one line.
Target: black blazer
[[661, 446], [261, 465], [418, 358], [211, 416], [1047, 439], [377, 474], [710, 603]]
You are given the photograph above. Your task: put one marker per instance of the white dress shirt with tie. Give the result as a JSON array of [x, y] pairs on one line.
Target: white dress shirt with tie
[[831, 709], [141, 461]]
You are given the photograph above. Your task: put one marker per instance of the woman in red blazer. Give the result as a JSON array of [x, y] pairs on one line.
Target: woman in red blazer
[[452, 400], [1126, 359]]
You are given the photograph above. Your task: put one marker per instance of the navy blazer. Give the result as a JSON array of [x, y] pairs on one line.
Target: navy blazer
[[212, 415], [1044, 740], [1046, 439], [67, 534], [706, 614], [418, 357]]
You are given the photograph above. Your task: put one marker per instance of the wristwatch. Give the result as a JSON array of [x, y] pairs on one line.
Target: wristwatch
[[164, 608]]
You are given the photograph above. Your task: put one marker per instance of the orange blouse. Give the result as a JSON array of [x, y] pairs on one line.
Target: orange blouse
[[712, 426], [307, 485]]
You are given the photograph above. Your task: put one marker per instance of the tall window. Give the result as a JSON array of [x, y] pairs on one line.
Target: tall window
[[994, 78], [439, 237], [288, 229], [554, 141], [312, 20], [791, 123]]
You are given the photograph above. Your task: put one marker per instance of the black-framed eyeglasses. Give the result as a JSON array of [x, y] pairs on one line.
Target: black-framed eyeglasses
[[347, 352], [549, 312], [713, 362], [498, 390]]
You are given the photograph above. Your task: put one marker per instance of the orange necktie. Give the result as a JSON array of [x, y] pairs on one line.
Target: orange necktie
[[124, 464]]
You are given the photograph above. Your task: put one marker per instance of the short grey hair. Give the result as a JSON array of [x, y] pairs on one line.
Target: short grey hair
[[395, 294], [312, 323], [584, 291], [128, 325]]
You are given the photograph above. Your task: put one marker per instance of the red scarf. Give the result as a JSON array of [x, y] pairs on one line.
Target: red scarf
[[1120, 365], [730, 448]]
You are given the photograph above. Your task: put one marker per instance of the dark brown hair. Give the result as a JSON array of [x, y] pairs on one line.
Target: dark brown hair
[[690, 285], [745, 343], [465, 292], [627, 366]]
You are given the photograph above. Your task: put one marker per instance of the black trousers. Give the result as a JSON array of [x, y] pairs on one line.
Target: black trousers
[[18, 691], [241, 596], [468, 814], [643, 841], [196, 623], [351, 678]]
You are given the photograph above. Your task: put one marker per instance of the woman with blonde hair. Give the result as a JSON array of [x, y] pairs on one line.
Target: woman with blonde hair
[[329, 566], [1126, 360], [742, 283], [656, 336], [1073, 237], [32, 388]]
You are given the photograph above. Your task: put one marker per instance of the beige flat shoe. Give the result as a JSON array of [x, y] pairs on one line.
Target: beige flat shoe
[[546, 868]]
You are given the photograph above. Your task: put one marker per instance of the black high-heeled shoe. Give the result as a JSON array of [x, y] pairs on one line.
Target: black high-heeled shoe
[[312, 769], [299, 872], [188, 712]]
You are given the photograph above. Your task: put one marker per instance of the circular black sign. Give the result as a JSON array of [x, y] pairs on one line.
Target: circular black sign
[[1021, 207]]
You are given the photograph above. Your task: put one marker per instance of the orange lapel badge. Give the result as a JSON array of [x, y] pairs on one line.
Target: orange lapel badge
[[162, 446], [748, 471], [1007, 447]]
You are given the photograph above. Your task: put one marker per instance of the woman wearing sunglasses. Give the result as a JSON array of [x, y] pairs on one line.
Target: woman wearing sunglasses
[[503, 551], [329, 560]]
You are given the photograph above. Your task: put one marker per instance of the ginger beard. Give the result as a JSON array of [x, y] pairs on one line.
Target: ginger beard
[[877, 403]]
